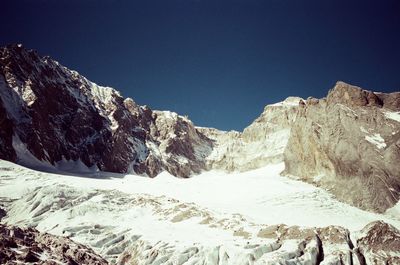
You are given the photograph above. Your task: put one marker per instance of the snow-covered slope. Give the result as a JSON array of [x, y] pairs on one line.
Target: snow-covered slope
[[256, 217]]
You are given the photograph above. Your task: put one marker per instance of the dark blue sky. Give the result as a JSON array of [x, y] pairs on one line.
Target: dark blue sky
[[219, 62]]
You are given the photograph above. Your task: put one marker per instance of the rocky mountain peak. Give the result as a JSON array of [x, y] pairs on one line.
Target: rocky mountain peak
[[53, 115], [343, 93]]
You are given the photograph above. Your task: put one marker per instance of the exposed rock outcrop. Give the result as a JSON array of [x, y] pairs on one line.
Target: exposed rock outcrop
[[52, 117], [29, 246], [349, 143], [379, 243]]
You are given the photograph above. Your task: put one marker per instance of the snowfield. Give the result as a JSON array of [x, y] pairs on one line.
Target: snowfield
[[211, 215]]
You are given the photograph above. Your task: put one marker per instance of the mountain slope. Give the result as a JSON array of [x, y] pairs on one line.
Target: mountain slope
[[349, 143], [55, 118], [261, 143]]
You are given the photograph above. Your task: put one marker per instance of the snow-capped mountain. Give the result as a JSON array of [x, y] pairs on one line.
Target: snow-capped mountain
[[54, 118], [238, 209]]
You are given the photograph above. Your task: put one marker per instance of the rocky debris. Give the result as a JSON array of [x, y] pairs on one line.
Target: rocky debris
[[379, 243], [29, 246], [349, 144]]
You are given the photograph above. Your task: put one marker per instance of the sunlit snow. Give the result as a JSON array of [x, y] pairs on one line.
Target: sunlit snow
[[212, 209]]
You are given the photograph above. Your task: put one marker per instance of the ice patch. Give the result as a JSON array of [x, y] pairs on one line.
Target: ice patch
[[289, 102], [393, 115], [363, 129], [377, 140], [103, 94]]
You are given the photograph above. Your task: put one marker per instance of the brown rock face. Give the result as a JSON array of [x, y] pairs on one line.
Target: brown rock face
[[349, 144], [353, 96], [379, 243], [29, 246]]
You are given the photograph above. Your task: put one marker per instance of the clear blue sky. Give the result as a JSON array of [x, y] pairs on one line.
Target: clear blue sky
[[219, 62]]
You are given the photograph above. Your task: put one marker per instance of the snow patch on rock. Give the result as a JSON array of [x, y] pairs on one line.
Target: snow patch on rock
[[377, 140], [393, 115]]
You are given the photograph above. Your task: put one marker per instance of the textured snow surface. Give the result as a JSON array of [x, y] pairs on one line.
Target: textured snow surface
[[211, 212]]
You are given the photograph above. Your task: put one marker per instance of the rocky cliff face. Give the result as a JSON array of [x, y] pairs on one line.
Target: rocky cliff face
[[52, 117], [179, 146], [55, 118], [349, 143]]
